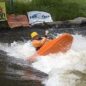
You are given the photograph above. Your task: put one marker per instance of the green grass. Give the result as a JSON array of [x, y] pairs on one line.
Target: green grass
[[59, 9]]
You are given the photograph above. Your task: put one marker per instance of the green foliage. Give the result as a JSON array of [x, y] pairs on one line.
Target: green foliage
[[59, 9]]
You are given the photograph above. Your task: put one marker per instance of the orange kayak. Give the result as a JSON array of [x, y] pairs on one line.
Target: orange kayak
[[60, 44]]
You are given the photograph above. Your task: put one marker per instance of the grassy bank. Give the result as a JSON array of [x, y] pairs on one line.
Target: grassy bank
[[59, 9]]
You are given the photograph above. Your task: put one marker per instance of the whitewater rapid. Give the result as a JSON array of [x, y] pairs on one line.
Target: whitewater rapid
[[67, 69]]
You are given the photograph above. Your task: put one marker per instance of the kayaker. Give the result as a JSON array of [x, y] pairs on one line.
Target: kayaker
[[38, 42]]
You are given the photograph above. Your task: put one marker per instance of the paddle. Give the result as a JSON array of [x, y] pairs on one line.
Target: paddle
[[48, 34]]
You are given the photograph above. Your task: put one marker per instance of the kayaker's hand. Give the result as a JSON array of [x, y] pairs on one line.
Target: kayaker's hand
[[46, 32]]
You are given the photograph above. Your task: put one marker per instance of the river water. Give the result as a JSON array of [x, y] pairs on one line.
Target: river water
[[67, 69]]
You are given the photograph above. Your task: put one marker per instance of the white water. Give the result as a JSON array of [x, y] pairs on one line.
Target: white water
[[61, 68]]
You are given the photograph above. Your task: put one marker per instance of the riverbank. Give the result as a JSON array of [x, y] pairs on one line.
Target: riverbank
[[7, 34], [59, 9], [77, 22]]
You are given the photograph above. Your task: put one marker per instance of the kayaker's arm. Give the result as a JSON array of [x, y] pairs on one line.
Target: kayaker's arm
[[46, 34], [39, 43], [43, 40]]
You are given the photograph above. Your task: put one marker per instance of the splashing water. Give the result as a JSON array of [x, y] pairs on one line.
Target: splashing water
[[18, 49], [67, 69]]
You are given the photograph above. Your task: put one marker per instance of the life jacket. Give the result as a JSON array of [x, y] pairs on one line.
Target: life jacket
[[39, 42]]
